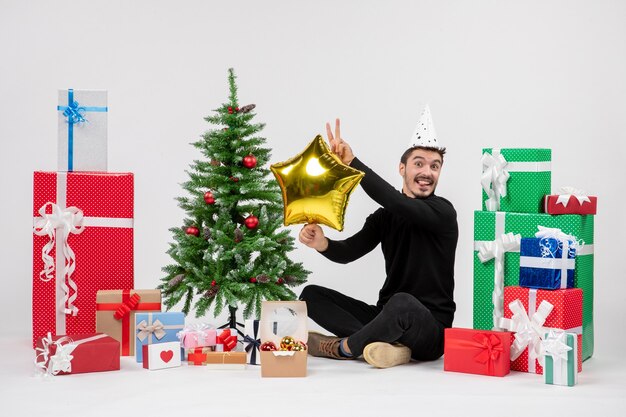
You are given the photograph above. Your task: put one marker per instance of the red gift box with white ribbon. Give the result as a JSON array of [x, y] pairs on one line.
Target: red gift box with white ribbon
[[570, 201], [530, 313], [77, 354], [82, 243]]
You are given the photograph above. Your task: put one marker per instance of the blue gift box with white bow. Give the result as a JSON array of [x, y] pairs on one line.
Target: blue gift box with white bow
[[547, 263], [151, 328]]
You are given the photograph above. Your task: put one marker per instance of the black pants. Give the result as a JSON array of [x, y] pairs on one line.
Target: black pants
[[403, 319]]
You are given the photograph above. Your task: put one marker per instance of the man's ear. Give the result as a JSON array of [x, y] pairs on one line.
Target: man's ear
[[401, 169]]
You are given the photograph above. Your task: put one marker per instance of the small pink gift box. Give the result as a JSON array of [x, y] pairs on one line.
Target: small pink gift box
[[197, 335]]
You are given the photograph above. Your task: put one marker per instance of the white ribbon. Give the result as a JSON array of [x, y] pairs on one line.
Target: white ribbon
[[494, 178], [66, 221], [496, 249], [569, 192], [528, 328], [554, 233], [146, 330], [61, 361]]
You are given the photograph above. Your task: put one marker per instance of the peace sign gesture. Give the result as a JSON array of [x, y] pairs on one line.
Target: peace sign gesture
[[338, 145]]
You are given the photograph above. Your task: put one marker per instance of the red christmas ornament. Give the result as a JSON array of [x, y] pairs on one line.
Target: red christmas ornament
[[208, 198], [253, 280], [225, 129], [237, 109], [249, 161], [213, 283], [234, 179], [230, 110], [192, 230], [280, 281], [268, 346], [251, 221]]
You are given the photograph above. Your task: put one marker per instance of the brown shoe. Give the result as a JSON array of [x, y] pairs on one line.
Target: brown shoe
[[386, 355], [324, 346]]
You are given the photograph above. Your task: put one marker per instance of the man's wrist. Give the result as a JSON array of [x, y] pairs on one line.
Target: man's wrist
[[324, 246]]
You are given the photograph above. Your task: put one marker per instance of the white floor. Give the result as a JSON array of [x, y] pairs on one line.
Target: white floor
[[332, 388]]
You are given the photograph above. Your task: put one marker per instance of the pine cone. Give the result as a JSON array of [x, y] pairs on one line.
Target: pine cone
[[238, 235], [262, 279], [247, 108], [206, 233], [282, 241], [289, 279], [211, 292], [176, 280]]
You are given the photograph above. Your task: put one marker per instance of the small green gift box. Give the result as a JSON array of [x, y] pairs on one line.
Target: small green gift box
[[515, 180], [489, 230]]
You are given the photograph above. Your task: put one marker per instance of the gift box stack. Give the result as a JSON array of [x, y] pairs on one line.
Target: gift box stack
[[212, 348], [533, 259], [82, 239]]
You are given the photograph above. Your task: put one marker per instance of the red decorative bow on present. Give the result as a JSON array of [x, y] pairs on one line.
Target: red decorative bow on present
[[228, 340], [490, 349], [126, 306]]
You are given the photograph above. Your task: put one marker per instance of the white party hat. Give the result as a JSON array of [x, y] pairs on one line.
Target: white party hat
[[425, 134]]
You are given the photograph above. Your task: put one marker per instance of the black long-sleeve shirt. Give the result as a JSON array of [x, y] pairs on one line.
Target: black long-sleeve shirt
[[418, 237]]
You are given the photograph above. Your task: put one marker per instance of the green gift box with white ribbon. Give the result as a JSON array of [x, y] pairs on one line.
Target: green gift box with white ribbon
[[496, 241], [515, 180], [560, 350]]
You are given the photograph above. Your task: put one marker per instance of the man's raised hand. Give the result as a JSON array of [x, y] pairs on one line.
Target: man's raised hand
[[338, 145]]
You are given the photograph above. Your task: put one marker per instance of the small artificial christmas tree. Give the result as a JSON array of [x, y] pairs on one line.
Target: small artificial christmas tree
[[231, 251]]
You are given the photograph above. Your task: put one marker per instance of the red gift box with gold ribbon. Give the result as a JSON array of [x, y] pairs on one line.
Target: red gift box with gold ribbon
[[481, 352], [82, 243], [115, 314]]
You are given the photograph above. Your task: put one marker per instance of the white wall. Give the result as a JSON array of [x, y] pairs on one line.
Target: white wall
[[496, 73]]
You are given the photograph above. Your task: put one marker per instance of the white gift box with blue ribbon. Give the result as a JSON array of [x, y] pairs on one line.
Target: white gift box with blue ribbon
[[82, 130], [548, 260]]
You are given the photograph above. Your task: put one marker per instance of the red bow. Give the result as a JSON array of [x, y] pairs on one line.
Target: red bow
[[227, 339], [127, 306], [490, 348]]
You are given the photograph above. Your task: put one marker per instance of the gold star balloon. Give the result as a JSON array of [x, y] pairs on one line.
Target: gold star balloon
[[316, 185]]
